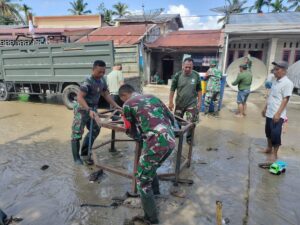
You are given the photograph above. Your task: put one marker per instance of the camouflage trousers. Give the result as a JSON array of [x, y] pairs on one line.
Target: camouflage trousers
[[209, 97], [81, 120], [192, 115], [156, 149]]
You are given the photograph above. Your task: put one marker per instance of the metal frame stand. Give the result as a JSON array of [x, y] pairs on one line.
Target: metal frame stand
[[117, 126]]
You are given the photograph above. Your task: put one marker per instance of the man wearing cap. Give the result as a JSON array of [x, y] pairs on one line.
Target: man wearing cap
[[214, 76], [188, 100], [275, 108], [244, 81]]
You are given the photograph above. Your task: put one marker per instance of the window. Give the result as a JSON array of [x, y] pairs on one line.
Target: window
[[249, 46], [245, 46], [291, 44], [230, 57], [241, 54], [234, 45], [256, 45], [286, 55], [229, 46], [284, 45], [297, 55], [262, 45], [297, 44], [239, 45]]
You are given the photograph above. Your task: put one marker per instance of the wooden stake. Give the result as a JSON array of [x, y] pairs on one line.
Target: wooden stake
[[219, 212]]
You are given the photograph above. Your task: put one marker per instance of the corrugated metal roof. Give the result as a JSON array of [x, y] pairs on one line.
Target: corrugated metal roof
[[162, 18], [41, 30], [189, 38], [122, 35], [265, 18]]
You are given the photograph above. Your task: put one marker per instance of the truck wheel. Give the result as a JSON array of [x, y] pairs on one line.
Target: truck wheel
[[69, 95], [4, 96]]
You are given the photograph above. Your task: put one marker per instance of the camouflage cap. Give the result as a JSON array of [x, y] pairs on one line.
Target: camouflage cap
[[244, 66], [213, 62]]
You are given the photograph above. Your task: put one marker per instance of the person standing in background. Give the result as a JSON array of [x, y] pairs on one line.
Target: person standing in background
[[275, 108], [244, 81], [115, 80], [214, 76]]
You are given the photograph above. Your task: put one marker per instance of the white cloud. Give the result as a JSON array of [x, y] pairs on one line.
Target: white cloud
[[136, 12], [212, 23], [192, 22]]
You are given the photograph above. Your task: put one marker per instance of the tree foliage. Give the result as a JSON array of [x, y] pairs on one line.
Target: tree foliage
[[9, 13], [294, 5], [79, 7], [120, 9], [278, 6], [231, 7]]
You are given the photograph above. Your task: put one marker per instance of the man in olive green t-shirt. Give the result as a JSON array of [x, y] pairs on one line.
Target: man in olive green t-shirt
[[244, 81], [188, 100]]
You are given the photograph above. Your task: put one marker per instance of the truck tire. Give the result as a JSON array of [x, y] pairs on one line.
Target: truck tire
[[4, 95], [69, 95]]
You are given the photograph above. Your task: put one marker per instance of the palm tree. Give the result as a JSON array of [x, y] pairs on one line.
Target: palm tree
[[234, 6], [26, 9], [79, 7], [9, 13], [278, 6], [108, 14], [258, 5], [121, 9], [295, 5]]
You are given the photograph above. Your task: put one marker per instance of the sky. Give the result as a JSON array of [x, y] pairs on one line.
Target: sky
[[187, 9]]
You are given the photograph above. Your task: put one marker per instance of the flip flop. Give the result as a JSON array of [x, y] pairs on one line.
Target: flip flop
[[265, 165]]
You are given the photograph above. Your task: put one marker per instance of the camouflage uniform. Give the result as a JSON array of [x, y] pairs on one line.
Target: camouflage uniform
[[213, 89], [93, 89], [186, 100], [152, 121]]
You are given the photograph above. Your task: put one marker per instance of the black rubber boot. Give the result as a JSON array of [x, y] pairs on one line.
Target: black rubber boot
[[75, 151], [149, 207], [206, 110], [85, 146], [155, 186], [85, 150], [3, 218]]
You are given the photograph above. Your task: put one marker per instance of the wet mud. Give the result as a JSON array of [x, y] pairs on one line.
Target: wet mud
[[40, 183]]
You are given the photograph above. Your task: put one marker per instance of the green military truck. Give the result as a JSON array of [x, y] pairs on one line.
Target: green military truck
[[50, 69]]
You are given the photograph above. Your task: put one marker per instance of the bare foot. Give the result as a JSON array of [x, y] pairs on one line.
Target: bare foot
[[266, 151], [239, 115], [244, 114], [272, 158]]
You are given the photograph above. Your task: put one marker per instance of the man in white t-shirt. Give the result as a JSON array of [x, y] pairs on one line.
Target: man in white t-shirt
[[275, 109], [115, 80]]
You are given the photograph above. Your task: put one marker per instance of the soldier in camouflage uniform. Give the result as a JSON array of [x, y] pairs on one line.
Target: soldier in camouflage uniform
[[147, 117], [188, 100], [213, 87], [248, 62], [85, 110]]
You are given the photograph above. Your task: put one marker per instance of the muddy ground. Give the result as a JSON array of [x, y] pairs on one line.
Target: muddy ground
[[37, 133]]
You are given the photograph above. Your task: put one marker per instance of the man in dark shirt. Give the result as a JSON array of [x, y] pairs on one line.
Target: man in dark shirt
[[86, 109]]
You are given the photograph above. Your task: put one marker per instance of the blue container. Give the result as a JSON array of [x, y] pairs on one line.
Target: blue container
[[211, 107]]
